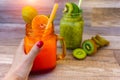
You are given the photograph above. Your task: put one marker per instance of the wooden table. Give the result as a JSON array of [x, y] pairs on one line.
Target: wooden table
[[102, 66]]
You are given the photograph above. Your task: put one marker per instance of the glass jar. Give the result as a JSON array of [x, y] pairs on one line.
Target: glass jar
[[71, 29], [46, 59]]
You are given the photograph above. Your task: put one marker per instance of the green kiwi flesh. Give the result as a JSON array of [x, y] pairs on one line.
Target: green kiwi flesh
[[68, 8], [71, 7], [79, 53], [89, 47]]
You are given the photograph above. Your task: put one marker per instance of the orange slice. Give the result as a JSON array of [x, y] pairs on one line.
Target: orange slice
[[39, 24]]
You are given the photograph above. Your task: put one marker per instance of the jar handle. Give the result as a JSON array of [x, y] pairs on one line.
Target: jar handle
[[63, 54]]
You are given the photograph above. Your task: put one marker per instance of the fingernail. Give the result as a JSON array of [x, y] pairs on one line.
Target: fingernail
[[39, 44]]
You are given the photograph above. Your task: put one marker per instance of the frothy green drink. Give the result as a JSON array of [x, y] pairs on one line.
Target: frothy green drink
[[71, 28]]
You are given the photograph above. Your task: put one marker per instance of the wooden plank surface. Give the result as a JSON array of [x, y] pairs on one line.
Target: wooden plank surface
[[102, 66], [89, 69], [117, 55], [15, 34], [106, 17], [11, 11]]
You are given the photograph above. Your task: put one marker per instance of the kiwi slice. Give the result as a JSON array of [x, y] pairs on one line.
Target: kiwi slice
[[68, 8], [97, 42], [89, 47], [75, 7], [98, 46], [102, 40], [71, 7], [79, 54]]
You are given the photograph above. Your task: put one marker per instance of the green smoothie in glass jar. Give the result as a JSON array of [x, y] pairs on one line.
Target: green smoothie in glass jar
[[71, 26]]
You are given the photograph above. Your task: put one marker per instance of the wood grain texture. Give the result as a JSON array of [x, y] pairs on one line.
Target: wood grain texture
[[117, 55], [106, 17], [11, 11], [104, 65], [92, 68], [14, 35]]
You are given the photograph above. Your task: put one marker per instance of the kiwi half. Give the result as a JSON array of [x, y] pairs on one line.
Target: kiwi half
[[75, 7], [71, 7], [79, 54], [68, 8], [102, 40], [89, 47], [97, 42]]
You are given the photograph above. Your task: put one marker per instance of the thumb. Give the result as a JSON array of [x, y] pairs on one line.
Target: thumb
[[35, 49]]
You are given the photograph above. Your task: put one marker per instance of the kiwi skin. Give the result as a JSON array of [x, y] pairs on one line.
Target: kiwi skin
[[102, 40], [75, 7], [97, 42], [68, 8], [92, 44]]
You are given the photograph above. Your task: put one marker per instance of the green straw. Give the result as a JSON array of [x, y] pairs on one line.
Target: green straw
[[80, 1]]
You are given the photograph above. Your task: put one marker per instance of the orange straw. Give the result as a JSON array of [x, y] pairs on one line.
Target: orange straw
[[52, 15]]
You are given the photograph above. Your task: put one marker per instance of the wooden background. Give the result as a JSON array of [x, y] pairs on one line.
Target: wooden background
[[100, 16]]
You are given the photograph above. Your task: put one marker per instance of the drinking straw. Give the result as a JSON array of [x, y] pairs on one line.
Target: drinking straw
[[53, 13], [80, 1]]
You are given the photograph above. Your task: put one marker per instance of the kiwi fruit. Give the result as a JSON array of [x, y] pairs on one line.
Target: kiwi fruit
[[75, 7], [89, 47], [71, 7], [102, 40], [79, 54], [98, 46], [68, 8], [97, 42]]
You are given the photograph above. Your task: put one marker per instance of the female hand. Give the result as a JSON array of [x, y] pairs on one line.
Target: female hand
[[22, 63]]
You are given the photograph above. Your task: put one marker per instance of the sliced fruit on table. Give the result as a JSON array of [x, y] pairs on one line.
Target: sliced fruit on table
[[97, 42], [102, 40], [89, 47], [79, 54], [28, 13]]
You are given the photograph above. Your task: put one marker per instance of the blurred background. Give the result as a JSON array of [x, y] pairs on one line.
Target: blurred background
[[96, 12], [100, 16]]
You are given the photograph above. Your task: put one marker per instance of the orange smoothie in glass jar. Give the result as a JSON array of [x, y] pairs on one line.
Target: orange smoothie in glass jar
[[45, 61]]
